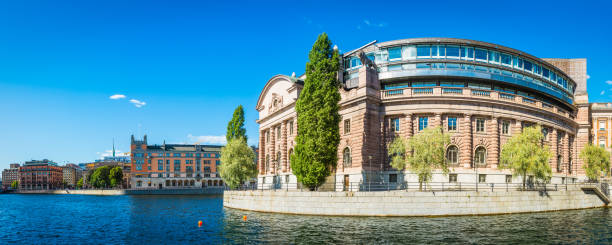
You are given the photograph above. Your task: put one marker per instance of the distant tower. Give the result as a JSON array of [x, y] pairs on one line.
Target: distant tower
[[113, 147]]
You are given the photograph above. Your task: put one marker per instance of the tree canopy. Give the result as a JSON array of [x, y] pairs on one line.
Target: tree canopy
[[422, 153], [15, 184], [315, 153], [237, 162], [100, 177], [235, 127], [525, 155], [80, 183], [116, 176], [596, 161]]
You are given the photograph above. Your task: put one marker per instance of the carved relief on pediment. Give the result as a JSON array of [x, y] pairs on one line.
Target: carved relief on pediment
[[275, 103]]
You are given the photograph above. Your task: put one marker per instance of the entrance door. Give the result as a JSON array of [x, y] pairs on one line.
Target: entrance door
[[346, 183]]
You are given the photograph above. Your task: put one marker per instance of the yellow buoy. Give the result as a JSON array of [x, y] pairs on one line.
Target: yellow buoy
[[244, 217], [200, 223]]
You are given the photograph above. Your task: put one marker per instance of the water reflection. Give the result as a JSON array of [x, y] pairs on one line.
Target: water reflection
[[580, 226]]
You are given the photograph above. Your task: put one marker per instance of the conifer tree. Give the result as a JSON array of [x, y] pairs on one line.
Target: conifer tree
[[235, 127], [317, 108]]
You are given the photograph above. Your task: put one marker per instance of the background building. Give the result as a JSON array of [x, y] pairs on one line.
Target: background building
[[40, 175], [174, 165], [71, 174], [9, 175], [480, 93]]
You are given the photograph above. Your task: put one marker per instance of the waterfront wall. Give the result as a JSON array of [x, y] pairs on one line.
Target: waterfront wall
[[206, 191], [411, 203]]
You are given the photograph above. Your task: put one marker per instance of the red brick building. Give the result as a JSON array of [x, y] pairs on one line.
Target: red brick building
[[40, 175], [174, 165]]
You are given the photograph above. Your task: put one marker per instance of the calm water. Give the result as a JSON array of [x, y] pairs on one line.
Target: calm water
[[74, 219]]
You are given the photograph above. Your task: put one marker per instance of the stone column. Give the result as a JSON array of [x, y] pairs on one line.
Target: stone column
[[467, 148], [565, 151], [554, 144], [408, 125], [284, 146], [273, 162], [495, 143], [438, 119], [262, 152]]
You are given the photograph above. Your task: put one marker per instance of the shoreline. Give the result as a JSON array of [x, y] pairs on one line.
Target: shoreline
[[118, 192]]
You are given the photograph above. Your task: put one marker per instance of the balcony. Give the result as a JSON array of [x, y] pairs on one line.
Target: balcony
[[410, 92]]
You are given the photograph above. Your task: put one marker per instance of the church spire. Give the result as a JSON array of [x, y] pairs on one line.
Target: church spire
[[113, 147]]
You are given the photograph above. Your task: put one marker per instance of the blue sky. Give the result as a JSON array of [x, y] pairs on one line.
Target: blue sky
[[192, 63]]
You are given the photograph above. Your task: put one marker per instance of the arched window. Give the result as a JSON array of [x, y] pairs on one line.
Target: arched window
[[452, 155], [480, 156], [559, 161], [346, 157]]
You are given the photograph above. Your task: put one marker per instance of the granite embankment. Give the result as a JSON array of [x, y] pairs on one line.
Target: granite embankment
[[415, 203]]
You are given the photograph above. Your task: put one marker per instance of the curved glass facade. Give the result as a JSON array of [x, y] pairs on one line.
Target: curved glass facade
[[447, 60]]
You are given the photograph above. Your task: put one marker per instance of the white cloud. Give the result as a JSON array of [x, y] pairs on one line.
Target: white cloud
[[138, 103], [602, 92], [207, 139], [609, 82], [117, 96], [369, 23], [109, 153]]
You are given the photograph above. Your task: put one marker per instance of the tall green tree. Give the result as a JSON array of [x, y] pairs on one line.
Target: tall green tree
[[80, 183], [317, 108], [422, 153], [116, 176], [596, 161], [235, 127], [15, 184], [525, 155], [237, 162]]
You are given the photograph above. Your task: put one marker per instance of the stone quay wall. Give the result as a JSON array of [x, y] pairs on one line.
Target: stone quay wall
[[411, 203]]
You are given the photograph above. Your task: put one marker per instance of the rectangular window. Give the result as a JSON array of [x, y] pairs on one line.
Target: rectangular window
[[452, 52], [493, 57], [395, 125], [467, 53], [423, 123], [160, 165], [167, 154], [545, 72], [395, 54], [452, 178], [452, 84], [602, 142], [527, 65], [441, 51], [278, 133], [482, 178], [506, 59], [392, 178], [508, 178], [409, 52], [423, 52], [452, 123], [602, 125], [347, 126], [481, 55], [290, 127], [177, 154], [424, 84], [177, 165], [480, 123], [505, 127]]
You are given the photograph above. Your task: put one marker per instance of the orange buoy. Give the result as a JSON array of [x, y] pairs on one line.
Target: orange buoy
[[244, 217], [200, 223]]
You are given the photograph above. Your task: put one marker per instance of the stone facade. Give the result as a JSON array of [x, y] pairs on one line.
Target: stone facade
[[480, 120]]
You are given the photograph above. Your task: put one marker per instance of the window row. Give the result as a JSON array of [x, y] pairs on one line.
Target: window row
[[480, 156], [277, 131], [413, 52], [469, 67], [206, 155], [451, 124]]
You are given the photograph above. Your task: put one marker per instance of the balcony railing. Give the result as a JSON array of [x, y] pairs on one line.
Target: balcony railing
[[472, 93]]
